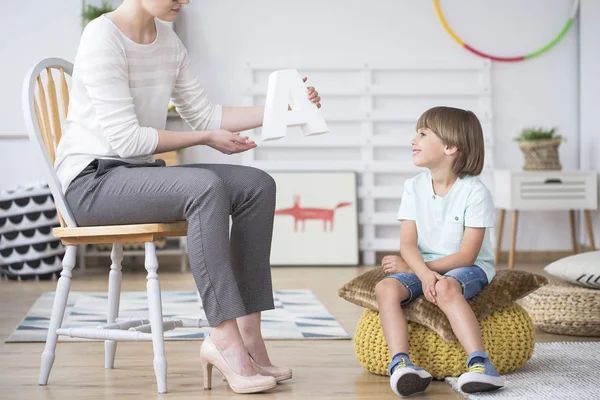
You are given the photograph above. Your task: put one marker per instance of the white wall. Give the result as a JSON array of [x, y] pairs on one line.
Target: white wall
[[589, 84], [53, 30], [222, 36]]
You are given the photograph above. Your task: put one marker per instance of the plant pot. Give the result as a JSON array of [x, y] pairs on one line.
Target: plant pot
[[541, 155]]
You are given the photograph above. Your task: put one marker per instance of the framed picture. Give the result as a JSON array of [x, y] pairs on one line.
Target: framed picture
[[316, 219]]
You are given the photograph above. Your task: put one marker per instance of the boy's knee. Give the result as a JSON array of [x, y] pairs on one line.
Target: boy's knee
[[447, 289], [388, 289]]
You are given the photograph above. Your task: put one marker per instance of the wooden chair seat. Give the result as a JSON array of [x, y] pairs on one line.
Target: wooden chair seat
[[138, 233]]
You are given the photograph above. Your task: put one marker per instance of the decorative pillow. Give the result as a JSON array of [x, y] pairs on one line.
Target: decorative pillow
[[579, 269], [27, 247], [506, 287]]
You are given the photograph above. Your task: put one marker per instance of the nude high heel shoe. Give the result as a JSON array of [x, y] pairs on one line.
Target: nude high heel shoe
[[210, 356], [279, 373]]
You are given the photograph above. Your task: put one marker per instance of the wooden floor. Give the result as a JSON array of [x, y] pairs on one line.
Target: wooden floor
[[322, 369]]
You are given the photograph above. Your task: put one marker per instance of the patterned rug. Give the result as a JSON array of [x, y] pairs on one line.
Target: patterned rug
[[559, 370], [298, 314]]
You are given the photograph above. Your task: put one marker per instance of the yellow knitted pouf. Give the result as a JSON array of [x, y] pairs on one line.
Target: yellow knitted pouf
[[508, 335]]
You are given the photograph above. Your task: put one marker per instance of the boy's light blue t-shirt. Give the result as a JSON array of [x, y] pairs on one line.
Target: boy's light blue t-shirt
[[441, 220]]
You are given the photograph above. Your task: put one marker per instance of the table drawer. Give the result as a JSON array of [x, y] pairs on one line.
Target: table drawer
[[554, 191]]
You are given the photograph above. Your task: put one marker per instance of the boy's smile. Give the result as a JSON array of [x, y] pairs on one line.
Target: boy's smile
[[427, 148]]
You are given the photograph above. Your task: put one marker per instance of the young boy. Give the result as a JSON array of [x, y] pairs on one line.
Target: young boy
[[445, 246]]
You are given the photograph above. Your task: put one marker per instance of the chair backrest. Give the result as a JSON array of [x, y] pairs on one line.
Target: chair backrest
[[43, 120]]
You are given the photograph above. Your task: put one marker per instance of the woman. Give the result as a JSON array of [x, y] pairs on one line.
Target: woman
[[128, 67]]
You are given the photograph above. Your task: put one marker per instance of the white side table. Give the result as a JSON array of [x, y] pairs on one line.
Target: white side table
[[544, 191]]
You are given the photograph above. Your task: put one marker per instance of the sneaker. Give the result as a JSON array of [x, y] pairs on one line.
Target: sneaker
[[406, 378], [482, 375]]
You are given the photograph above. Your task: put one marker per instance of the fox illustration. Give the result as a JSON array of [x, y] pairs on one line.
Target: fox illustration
[[301, 214]]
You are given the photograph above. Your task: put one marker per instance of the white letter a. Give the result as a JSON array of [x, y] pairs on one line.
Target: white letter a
[[287, 88]]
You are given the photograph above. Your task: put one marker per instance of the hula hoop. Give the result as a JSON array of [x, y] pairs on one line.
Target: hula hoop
[[536, 53]]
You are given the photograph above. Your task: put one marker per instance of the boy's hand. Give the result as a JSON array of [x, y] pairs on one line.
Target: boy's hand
[[392, 264], [428, 280]]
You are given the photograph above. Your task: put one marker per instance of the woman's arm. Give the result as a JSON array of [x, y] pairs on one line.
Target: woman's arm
[[224, 141], [192, 103], [237, 119]]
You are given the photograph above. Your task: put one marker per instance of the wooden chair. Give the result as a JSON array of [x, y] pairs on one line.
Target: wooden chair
[[43, 122]]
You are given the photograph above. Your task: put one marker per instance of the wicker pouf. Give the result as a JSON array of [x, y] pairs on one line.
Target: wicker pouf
[[508, 335], [565, 309]]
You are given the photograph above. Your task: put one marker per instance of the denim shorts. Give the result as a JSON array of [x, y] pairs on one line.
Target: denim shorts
[[472, 279]]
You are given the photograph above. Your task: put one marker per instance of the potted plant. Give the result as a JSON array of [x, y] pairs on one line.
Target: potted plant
[[91, 12], [540, 148]]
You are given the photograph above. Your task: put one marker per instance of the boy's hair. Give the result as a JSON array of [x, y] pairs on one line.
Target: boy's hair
[[461, 129]]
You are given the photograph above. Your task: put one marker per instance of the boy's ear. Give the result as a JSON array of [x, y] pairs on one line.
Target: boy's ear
[[450, 150]]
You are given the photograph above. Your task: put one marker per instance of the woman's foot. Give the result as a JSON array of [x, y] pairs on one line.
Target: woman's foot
[[279, 373], [254, 343], [257, 350], [249, 328], [227, 340], [211, 356]]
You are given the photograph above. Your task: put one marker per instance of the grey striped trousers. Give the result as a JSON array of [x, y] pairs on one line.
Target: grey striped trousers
[[232, 274]]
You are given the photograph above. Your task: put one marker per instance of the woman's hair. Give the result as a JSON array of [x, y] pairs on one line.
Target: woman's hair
[[461, 129]]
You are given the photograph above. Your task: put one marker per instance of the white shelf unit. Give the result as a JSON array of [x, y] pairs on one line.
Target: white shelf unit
[[372, 111]]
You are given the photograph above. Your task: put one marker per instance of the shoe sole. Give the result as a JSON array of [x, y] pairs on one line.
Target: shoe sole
[[411, 382], [479, 383], [255, 389], [283, 378], [277, 378], [474, 387]]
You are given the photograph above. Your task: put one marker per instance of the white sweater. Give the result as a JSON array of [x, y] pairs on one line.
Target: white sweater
[[119, 96]]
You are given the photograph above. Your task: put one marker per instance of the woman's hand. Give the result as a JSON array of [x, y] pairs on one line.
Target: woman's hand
[[313, 95], [392, 264], [229, 143], [428, 280]]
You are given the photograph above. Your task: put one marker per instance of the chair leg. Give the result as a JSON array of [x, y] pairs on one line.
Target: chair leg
[[183, 261], [114, 294], [58, 312], [82, 258], [156, 319]]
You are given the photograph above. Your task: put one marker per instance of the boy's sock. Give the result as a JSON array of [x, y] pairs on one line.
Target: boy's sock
[[400, 360], [480, 358], [405, 377], [482, 375]]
